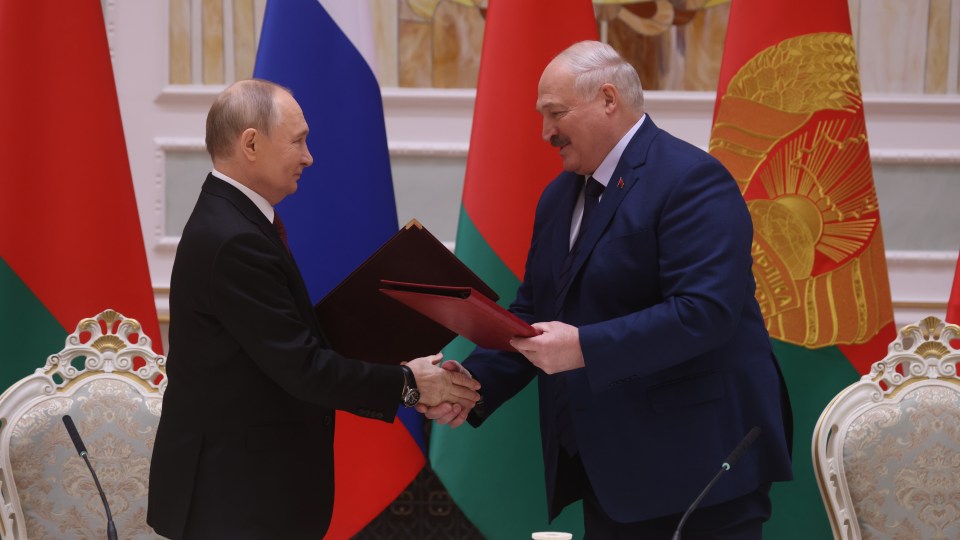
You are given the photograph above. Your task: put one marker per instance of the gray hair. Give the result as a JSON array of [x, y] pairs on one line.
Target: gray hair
[[245, 104], [594, 64]]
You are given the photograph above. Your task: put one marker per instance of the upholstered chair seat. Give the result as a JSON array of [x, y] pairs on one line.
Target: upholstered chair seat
[[110, 382], [887, 449]]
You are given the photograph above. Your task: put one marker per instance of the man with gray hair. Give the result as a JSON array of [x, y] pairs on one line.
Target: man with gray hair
[[654, 360], [245, 443]]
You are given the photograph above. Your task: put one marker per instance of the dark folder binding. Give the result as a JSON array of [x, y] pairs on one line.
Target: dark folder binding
[[463, 310], [361, 322]]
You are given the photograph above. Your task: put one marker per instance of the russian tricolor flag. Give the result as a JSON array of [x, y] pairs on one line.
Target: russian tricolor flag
[[343, 210]]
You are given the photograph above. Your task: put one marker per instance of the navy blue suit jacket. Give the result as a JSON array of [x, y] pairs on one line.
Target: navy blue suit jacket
[[678, 362]]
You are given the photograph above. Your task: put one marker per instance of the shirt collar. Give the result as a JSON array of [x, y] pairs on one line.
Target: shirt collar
[[254, 197], [609, 164]]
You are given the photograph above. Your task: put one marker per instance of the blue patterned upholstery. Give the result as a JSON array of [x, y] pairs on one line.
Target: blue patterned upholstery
[[887, 449], [115, 399]]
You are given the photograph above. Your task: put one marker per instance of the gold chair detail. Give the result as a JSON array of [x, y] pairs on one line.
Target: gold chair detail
[[109, 380], [886, 450]]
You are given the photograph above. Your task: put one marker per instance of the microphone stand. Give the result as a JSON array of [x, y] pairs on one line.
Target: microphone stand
[[111, 528], [82, 450], [724, 468], [731, 460]]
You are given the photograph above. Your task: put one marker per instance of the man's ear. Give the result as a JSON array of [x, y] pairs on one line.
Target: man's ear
[[249, 140], [611, 97]]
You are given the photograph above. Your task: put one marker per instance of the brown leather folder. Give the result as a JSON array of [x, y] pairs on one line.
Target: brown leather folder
[[361, 322], [463, 310]]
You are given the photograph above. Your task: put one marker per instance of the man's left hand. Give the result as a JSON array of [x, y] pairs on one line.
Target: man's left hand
[[556, 349]]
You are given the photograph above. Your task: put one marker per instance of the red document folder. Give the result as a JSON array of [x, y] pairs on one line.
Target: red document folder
[[463, 310], [362, 323]]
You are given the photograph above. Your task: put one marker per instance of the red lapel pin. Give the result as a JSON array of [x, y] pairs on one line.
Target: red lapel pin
[[620, 183]]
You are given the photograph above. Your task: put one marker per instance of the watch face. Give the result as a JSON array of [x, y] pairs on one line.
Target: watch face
[[412, 397]]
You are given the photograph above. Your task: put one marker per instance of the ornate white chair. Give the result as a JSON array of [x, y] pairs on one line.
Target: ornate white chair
[[108, 379], [886, 450]]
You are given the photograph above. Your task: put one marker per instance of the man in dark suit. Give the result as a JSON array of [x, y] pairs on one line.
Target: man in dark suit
[[654, 361], [245, 443]]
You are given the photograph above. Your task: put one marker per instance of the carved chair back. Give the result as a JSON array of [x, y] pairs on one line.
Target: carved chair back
[[111, 383], [886, 450]]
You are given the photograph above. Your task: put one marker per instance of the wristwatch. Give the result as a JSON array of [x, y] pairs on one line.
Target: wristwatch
[[410, 395]]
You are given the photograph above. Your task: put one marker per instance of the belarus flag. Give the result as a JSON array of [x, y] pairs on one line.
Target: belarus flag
[[789, 126], [343, 211], [70, 240], [508, 167]]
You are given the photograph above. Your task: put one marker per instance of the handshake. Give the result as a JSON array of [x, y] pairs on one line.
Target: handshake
[[447, 391]]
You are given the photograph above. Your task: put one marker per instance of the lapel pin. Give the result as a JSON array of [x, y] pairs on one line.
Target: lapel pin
[[620, 183]]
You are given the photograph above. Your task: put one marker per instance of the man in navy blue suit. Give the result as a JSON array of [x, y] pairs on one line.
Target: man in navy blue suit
[[654, 361]]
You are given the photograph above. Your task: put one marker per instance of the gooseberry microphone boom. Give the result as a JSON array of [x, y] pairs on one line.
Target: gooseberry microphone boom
[[82, 450], [730, 462]]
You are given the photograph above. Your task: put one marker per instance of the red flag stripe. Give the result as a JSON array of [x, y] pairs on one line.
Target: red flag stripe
[[508, 165], [953, 305], [68, 214]]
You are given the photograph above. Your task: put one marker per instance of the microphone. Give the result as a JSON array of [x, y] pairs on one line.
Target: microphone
[[82, 450], [731, 460]]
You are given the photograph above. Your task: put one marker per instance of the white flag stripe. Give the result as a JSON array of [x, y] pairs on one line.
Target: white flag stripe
[[354, 19]]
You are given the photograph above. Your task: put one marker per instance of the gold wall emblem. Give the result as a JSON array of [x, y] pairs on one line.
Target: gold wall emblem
[[791, 131]]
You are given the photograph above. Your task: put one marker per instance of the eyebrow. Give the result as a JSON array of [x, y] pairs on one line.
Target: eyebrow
[[552, 107], [548, 104]]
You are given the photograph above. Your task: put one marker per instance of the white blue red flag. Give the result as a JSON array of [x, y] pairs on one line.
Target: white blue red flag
[[344, 209]]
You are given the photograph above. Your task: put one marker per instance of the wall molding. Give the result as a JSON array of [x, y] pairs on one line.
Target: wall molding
[[192, 95], [164, 243], [907, 156], [428, 149]]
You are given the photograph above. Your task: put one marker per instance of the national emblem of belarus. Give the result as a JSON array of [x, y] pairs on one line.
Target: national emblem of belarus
[[791, 130]]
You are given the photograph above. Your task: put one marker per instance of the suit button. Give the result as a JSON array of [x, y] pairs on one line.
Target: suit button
[[327, 420]]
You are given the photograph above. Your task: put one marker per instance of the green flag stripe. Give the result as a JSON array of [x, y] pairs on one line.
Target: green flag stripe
[[814, 377], [505, 492], [474, 250], [27, 329]]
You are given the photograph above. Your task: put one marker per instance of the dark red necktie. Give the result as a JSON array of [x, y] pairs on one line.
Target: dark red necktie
[[281, 231]]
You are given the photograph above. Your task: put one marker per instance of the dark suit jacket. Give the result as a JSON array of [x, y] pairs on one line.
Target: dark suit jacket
[[678, 361], [245, 443]]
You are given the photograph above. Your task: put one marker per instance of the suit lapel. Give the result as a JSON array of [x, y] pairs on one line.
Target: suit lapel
[[245, 206], [629, 171]]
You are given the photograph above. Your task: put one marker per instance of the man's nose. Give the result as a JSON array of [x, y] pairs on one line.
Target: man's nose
[[549, 130]]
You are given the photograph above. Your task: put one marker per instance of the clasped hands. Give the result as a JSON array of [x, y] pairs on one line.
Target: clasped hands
[[444, 385], [555, 350]]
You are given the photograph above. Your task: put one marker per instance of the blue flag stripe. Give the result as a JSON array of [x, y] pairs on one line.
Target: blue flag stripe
[[344, 208]]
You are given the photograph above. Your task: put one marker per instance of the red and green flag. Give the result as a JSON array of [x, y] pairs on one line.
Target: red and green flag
[[70, 240], [953, 305], [495, 473], [789, 126]]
